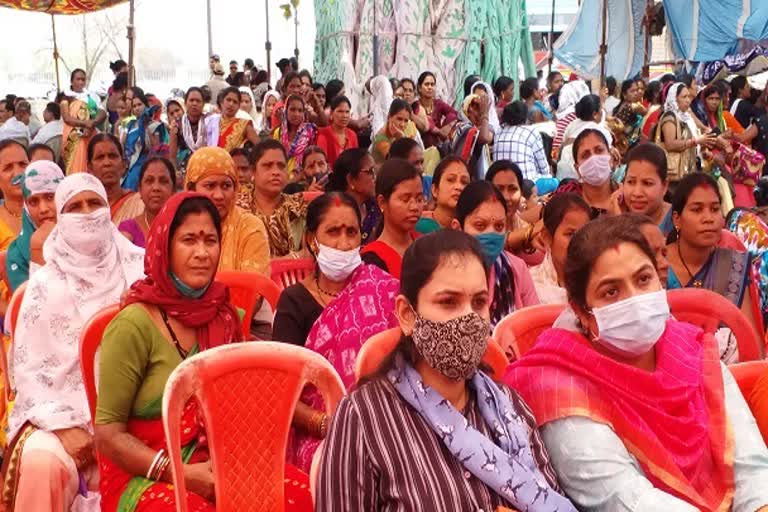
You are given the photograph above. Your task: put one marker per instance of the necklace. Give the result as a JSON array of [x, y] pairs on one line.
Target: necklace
[[146, 220], [697, 283], [12, 214], [324, 292]]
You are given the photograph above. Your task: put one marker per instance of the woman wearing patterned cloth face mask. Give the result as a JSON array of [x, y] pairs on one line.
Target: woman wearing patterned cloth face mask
[[456, 438]]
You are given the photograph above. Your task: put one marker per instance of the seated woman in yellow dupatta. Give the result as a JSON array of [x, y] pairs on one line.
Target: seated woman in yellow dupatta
[[244, 244], [635, 408], [226, 130], [82, 113], [106, 162]]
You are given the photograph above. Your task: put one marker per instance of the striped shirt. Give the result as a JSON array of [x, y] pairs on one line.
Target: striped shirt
[[382, 455]]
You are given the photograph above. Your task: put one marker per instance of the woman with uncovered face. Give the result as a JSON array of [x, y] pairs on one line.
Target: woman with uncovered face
[[88, 266], [645, 185], [244, 245], [450, 178], [38, 185], [354, 174], [400, 199], [696, 259], [190, 130], [431, 402], [337, 137], [177, 312], [227, 130], [295, 134], [594, 382], [144, 135], [563, 216], [482, 212], [284, 215], [398, 125], [157, 182]]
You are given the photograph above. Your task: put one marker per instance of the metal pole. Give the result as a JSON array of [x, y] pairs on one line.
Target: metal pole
[[131, 46], [55, 54], [646, 49], [210, 31], [552, 37], [603, 46], [375, 43], [268, 44], [296, 32]]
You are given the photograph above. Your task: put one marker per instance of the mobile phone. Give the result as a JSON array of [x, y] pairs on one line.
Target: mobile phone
[[323, 180]]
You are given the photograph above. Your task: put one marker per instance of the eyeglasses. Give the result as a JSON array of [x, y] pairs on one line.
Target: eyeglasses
[[370, 172]]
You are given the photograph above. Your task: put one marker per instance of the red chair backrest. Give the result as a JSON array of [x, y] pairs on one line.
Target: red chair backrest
[[245, 290], [14, 306], [378, 347], [747, 376], [90, 339], [708, 310], [247, 394], [517, 332], [289, 272], [730, 241]]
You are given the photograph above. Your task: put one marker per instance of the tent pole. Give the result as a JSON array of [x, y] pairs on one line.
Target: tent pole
[[603, 47], [210, 30], [552, 37], [268, 44], [55, 54], [646, 52], [375, 43], [131, 45]]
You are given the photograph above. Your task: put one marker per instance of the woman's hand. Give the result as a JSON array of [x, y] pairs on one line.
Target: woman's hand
[[78, 444], [199, 479], [394, 131], [617, 203], [707, 140], [37, 240]]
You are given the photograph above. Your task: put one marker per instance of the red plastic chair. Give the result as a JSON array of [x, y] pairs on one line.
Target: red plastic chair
[[310, 196], [730, 241], [90, 339], [289, 272], [378, 347], [247, 394], [14, 306], [517, 332], [245, 290], [708, 310], [747, 375]]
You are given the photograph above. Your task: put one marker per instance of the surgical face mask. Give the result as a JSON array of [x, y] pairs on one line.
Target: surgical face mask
[[596, 170], [454, 348], [492, 244], [88, 234], [632, 326], [186, 290], [337, 265]]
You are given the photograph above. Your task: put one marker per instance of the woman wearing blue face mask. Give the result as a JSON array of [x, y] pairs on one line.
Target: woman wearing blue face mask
[[636, 409], [334, 310], [482, 212]]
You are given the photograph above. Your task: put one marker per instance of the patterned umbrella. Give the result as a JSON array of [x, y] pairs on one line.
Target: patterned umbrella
[[60, 6]]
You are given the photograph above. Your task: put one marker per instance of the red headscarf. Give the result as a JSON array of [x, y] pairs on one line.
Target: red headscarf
[[212, 315]]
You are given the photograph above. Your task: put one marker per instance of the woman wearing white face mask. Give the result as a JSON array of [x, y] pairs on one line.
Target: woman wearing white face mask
[[335, 309], [594, 165], [635, 408], [88, 265]]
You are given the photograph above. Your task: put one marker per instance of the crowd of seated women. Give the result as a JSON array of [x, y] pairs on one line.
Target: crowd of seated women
[[617, 407]]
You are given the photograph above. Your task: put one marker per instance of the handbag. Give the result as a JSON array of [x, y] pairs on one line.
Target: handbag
[[677, 161], [747, 165]]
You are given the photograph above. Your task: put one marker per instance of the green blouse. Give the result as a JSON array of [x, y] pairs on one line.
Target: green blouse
[[136, 359], [426, 226]]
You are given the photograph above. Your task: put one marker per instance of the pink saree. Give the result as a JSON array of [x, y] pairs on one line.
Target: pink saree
[[364, 308]]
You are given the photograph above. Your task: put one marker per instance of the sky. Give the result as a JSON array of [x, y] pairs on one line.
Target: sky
[[169, 33]]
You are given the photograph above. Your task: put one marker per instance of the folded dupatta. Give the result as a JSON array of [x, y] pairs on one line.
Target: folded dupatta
[[672, 420]]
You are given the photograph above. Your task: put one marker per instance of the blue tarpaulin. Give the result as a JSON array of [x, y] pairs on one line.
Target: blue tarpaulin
[[708, 30], [579, 46]]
